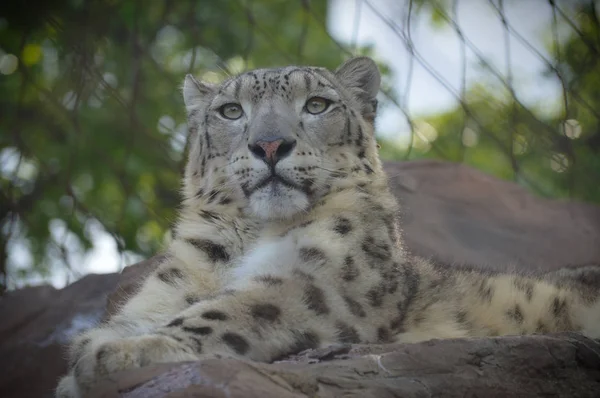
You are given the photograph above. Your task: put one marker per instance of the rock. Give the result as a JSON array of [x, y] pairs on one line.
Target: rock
[[566, 365], [37, 322], [456, 214], [451, 213]]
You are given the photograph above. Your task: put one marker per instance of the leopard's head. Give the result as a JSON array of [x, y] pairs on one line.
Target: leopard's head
[[276, 141]]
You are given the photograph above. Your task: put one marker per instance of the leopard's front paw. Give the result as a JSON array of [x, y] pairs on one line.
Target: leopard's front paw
[[67, 388], [128, 353]]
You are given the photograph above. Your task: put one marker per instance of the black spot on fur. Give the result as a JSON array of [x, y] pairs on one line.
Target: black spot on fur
[[170, 275], [177, 339], [461, 318], [559, 307], [515, 314], [305, 224], [202, 167], [542, 327], [197, 344], [215, 315], [384, 335], [377, 250], [348, 128], [307, 82], [303, 275], [392, 285], [214, 251], [390, 278], [375, 295], [347, 333], [312, 255], [236, 88], [212, 195], [268, 312], [307, 185], [304, 341], [176, 322], [225, 200], [485, 291], [355, 307], [349, 269], [269, 280], [397, 323], [208, 215], [588, 275], [525, 287], [101, 354], [236, 342], [359, 139], [246, 189], [202, 330], [315, 299], [342, 226], [192, 299], [410, 287]]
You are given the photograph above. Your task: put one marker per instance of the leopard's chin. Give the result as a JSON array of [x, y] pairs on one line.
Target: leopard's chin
[[277, 201]]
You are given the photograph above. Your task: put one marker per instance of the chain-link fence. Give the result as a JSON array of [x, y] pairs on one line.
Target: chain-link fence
[[93, 134]]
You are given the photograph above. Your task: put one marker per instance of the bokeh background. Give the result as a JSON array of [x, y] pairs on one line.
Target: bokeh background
[[92, 125]]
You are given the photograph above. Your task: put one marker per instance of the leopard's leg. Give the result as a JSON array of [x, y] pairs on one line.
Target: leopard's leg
[[178, 283], [270, 318], [475, 304]]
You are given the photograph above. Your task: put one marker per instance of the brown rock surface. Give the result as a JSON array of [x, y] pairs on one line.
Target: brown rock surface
[[456, 214], [551, 366], [451, 213], [36, 324]]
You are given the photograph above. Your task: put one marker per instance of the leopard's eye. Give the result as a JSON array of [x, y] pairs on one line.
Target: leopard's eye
[[231, 111], [316, 105]]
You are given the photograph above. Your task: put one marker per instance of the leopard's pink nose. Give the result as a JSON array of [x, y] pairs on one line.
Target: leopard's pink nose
[[272, 151]]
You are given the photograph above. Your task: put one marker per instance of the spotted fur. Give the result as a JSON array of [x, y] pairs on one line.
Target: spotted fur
[[288, 239]]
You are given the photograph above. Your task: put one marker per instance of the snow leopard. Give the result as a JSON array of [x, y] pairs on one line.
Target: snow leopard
[[288, 238]]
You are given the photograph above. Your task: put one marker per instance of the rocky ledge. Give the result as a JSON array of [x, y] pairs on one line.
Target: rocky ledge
[[516, 366]]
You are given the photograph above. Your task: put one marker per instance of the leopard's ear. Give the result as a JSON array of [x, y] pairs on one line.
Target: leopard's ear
[[194, 91], [360, 75]]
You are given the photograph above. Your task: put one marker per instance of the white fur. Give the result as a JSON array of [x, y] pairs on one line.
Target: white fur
[[287, 203], [264, 259]]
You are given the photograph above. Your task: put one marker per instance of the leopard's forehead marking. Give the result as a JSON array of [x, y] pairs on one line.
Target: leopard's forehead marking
[[261, 83]]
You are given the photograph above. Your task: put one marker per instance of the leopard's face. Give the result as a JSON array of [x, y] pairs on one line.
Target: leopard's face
[[284, 137]]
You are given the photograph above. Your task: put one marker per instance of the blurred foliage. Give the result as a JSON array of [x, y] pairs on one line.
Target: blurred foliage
[[555, 153], [92, 121], [92, 125]]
